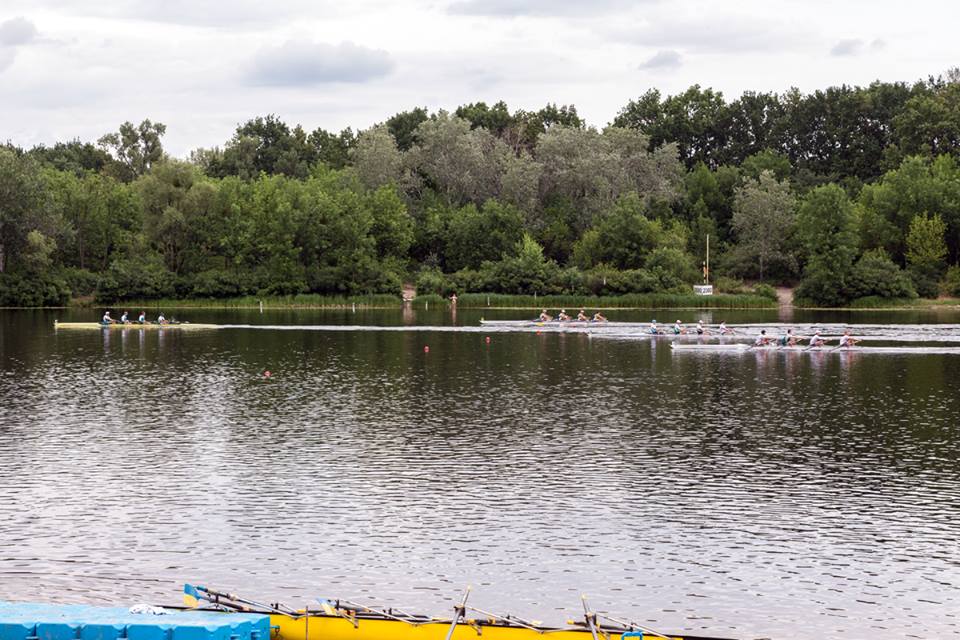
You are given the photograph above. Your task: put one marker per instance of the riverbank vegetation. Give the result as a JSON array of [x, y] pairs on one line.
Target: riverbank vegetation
[[851, 193]]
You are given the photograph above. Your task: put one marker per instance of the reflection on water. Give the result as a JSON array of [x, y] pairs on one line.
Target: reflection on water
[[749, 496]]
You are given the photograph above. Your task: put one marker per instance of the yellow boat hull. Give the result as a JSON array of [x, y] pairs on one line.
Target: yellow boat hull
[[132, 326], [323, 627]]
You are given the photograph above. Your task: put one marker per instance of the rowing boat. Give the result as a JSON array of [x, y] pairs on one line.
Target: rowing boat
[[748, 348], [344, 620], [133, 325]]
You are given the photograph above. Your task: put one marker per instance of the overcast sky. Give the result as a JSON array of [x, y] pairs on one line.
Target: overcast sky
[[77, 69]]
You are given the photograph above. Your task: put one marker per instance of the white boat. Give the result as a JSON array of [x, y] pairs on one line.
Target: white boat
[[749, 348]]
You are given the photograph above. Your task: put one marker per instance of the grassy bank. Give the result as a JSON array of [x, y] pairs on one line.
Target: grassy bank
[[466, 301]]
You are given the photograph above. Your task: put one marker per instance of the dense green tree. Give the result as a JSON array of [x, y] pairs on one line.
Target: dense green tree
[[926, 253], [376, 158], [763, 218], [827, 228], [332, 149], [474, 235], [75, 156], [134, 148], [625, 237], [403, 126], [24, 207]]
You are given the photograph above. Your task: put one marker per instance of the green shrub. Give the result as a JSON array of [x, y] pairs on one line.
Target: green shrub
[[33, 291], [950, 285], [765, 291], [724, 284], [80, 282], [876, 275], [433, 281], [143, 278]]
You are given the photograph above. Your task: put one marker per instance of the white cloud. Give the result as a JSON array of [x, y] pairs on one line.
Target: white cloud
[[17, 31], [548, 8], [663, 60], [200, 68], [847, 47], [7, 56], [298, 63]]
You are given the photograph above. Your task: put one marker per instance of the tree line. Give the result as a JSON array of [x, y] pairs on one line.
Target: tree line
[[849, 192]]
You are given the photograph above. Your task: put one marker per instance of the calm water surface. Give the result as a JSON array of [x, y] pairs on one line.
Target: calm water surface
[[746, 495]]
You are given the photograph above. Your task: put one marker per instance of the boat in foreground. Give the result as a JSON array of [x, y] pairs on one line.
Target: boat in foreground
[[133, 325], [345, 620]]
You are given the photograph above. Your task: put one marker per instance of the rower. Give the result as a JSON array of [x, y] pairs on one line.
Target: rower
[[598, 318], [787, 339], [106, 318], [142, 319], [762, 339], [653, 327], [678, 328], [124, 319], [582, 317], [816, 340], [723, 328], [562, 316], [544, 316], [161, 319], [847, 341], [700, 329]]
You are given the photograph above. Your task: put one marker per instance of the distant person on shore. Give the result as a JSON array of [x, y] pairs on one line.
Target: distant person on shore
[[597, 317], [562, 316], [106, 318], [453, 299], [544, 316], [582, 317]]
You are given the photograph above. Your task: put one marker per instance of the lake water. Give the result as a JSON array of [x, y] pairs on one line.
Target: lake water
[[781, 495]]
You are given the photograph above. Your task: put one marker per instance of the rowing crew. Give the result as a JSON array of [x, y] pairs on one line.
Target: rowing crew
[[563, 316], [125, 319], [788, 339], [678, 329]]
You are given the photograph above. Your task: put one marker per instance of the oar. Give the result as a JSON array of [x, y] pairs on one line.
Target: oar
[[382, 613], [461, 610], [634, 625], [590, 617], [520, 622], [232, 600]]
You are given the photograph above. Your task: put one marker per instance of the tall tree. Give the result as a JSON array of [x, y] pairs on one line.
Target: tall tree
[[135, 148], [926, 252], [827, 227], [763, 218]]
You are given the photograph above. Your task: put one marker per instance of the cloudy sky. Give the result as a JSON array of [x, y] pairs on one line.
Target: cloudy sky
[[77, 69]]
